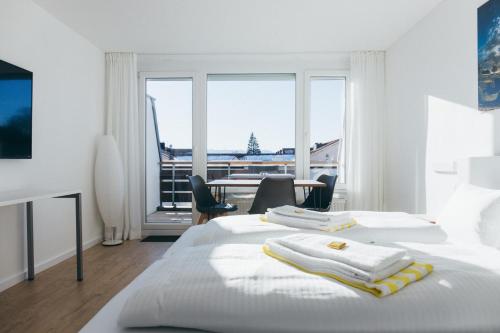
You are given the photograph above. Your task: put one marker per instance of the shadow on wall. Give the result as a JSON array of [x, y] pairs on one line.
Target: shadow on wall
[[454, 132]]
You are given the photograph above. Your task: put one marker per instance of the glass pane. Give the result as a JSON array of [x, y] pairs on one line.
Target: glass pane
[[251, 125], [168, 149], [250, 129], [327, 122]]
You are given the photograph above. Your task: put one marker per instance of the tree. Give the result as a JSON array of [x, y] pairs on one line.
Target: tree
[[253, 145]]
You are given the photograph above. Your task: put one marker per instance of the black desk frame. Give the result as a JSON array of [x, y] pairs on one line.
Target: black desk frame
[[79, 245]]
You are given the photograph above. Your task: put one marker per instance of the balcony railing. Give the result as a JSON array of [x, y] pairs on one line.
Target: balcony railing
[[175, 192]]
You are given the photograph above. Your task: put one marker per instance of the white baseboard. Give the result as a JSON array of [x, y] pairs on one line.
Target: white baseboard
[[41, 266]]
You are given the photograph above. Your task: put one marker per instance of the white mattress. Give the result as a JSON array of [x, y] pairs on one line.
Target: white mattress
[[241, 290]]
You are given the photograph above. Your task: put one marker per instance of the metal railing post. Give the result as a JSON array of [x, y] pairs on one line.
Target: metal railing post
[[173, 186], [161, 193]]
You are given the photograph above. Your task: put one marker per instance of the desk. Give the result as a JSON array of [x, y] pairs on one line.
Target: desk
[[218, 184], [27, 196]]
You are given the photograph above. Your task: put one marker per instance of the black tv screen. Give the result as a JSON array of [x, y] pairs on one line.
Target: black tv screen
[[16, 85]]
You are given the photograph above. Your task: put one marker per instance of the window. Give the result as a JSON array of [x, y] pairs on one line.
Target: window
[[242, 126], [169, 109], [250, 125], [327, 113]]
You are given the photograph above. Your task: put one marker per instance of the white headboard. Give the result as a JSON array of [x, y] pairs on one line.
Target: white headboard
[[480, 171]]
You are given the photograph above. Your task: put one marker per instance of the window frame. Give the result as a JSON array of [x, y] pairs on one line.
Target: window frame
[[197, 137], [199, 119], [308, 77]]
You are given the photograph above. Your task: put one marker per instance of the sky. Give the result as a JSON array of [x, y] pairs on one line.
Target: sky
[[237, 107]]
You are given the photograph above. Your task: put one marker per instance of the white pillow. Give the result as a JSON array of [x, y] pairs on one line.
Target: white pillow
[[472, 215]]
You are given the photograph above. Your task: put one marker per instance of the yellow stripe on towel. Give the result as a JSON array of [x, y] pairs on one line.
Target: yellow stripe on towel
[[340, 227], [385, 287]]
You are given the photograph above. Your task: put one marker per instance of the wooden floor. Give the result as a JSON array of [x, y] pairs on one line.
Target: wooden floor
[[56, 302]]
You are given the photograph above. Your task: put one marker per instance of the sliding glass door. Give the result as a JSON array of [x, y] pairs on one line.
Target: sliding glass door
[[169, 158]]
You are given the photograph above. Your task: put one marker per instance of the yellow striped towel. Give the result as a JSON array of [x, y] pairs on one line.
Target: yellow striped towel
[[342, 226], [352, 222], [385, 287]]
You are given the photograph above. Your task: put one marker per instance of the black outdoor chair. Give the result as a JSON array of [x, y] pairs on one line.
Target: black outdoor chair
[[205, 201], [322, 195], [273, 192]]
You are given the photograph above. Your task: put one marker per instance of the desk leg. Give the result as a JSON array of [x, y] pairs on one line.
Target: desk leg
[[79, 245], [29, 234]]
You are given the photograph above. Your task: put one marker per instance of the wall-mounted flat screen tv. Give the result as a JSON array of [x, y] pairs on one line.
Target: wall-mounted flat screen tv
[[16, 86]]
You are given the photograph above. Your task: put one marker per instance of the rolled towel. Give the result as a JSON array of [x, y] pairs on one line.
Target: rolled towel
[[334, 223], [331, 269], [365, 257]]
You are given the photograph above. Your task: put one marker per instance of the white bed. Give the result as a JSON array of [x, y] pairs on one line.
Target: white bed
[[216, 278], [465, 279]]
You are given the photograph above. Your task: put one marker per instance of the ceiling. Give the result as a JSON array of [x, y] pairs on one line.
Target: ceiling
[[239, 26]]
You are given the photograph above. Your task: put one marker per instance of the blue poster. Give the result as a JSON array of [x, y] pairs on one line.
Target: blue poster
[[488, 38]]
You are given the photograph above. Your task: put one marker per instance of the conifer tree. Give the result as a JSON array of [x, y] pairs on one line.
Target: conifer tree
[[253, 145]]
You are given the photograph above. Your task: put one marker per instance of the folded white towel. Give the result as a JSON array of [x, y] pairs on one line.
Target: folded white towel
[[334, 222], [336, 268], [365, 257], [292, 211]]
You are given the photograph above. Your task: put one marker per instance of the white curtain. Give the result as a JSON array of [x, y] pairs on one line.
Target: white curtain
[[123, 123], [365, 131]]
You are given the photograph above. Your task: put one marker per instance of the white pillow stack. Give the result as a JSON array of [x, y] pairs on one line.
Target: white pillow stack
[[472, 215]]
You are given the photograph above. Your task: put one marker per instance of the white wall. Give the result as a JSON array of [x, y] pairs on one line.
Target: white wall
[[68, 116], [432, 117]]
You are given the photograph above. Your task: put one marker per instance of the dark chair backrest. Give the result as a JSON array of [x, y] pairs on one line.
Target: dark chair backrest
[[323, 196], [273, 192], [202, 195]]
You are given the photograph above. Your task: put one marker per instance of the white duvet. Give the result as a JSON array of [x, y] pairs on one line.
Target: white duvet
[[223, 282]]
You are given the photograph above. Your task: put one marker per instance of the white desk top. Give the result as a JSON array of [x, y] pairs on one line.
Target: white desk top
[[15, 197]]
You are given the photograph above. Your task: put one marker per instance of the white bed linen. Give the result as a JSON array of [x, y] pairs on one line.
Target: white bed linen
[[372, 227], [106, 320], [226, 284]]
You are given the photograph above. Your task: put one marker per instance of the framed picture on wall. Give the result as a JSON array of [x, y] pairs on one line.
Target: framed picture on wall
[[488, 38]]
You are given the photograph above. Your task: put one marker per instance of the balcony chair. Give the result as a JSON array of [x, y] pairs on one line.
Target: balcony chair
[[273, 192], [323, 195], [205, 201]]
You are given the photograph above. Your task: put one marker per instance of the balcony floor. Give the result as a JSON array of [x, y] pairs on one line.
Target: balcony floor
[[174, 217]]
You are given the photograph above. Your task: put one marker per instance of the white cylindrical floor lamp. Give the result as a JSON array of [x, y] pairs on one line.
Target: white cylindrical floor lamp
[[110, 189]]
